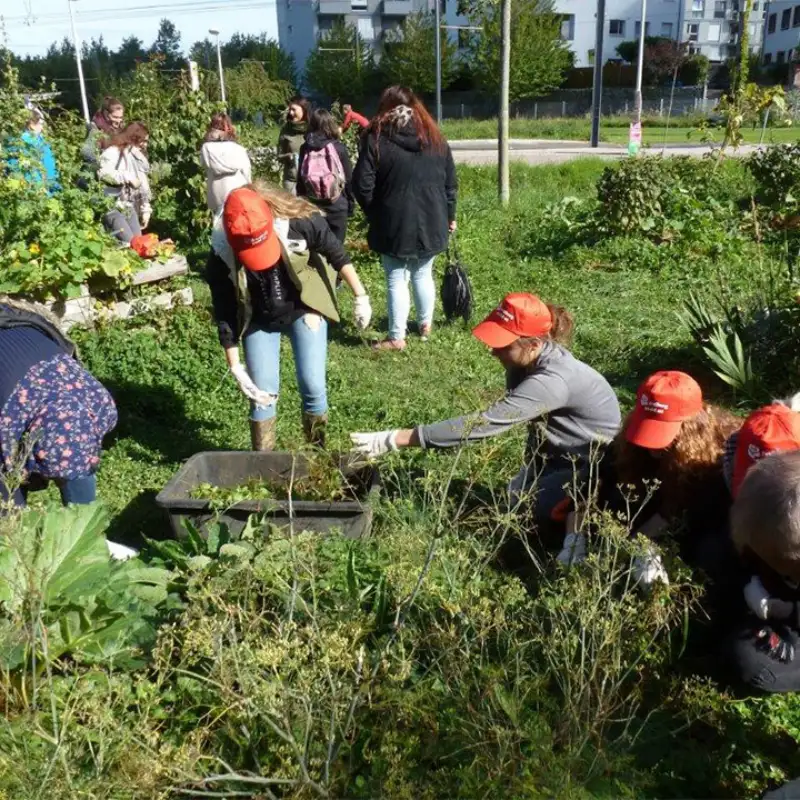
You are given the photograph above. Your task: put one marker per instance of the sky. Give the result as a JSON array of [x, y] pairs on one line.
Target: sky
[[29, 26]]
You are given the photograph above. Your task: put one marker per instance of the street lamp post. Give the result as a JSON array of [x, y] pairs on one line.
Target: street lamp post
[[438, 51], [77, 45], [219, 65], [636, 130]]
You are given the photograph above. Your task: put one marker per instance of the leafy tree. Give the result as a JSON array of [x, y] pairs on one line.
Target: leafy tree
[[539, 57], [629, 50], [131, 52], [204, 52], [409, 55], [251, 90], [168, 44], [342, 66], [277, 63]]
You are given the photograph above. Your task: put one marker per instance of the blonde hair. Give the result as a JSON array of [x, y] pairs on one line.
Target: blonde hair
[[285, 205], [765, 517]]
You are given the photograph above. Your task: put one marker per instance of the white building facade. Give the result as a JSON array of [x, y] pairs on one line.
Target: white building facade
[[782, 33]]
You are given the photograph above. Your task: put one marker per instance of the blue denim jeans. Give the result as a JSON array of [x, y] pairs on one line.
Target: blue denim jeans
[[262, 352], [75, 491], [398, 272]]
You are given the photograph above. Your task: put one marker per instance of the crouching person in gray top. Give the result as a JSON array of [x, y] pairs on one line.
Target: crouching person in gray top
[[568, 406]]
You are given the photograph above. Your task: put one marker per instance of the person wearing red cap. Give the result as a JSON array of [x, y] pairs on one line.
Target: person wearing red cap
[[278, 275], [670, 452], [569, 407]]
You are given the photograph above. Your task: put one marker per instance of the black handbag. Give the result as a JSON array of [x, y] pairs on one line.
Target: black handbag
[[456, 292]]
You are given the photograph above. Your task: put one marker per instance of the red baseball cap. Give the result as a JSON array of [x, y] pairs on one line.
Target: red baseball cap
[[249, 227], [519, 315], [664, 401], [767, 430]]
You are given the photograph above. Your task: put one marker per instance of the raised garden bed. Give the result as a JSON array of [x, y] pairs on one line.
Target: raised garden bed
[[351, 516]]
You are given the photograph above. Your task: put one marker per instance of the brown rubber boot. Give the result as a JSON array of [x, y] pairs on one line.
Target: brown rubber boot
[[262, 434], [314, 428]]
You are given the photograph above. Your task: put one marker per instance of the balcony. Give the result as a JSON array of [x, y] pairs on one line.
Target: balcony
[[334, 8], [397, 8]]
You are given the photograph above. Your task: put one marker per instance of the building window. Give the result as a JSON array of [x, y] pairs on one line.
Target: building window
[[616, 27], [780, 57], [639, 28], [666, 30], [773, 18], [568, 27], [767, 59], [755, 6], [720, 7], [698, 9], [590, 58], [786, 19], [796, 17], [714, 30], [692, 31]]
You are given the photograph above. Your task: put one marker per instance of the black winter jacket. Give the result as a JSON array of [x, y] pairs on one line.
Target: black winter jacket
[[407, 192], [316, 234], [345, 202]]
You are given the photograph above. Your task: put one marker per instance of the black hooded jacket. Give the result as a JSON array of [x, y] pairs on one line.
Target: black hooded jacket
[[408, 193], [343, 203]]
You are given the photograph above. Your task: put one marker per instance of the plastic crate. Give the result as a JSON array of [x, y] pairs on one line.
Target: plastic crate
[[234, 468]]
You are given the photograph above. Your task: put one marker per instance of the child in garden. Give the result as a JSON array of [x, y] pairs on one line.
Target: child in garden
[[32, 157], [664, 467], [277, 276], [569, 408], [124, 170], [325, 174]]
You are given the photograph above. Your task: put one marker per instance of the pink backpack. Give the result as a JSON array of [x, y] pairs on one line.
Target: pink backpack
[[322, 173]]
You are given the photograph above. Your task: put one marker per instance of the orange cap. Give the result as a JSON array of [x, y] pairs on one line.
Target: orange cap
[[249, 227], [767, 430], [664, 401], [519, 315]]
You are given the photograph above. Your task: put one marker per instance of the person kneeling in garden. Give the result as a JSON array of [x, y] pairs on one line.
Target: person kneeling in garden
[[276, 273], [53, 413], [569, 407], [665, 467]]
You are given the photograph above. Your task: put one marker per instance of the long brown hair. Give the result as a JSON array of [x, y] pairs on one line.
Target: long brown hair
[[692, 461], [285, 205], [220, 129], [134, 134], [426, 129]]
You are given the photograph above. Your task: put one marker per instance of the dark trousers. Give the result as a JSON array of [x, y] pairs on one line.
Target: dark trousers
[[74, 491], [337, 222], [756, 667]]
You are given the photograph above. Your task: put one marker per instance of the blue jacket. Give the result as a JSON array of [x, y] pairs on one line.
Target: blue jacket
[[38, 165]]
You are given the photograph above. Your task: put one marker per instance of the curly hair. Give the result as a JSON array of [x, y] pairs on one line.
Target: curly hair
[[689, 464]]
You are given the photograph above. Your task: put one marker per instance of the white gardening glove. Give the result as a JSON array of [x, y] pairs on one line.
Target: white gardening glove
[[649, 569], [249, 389], [135, 183], [573, 551], [146, 217], [362, 312], [762, 605], [373, 445]]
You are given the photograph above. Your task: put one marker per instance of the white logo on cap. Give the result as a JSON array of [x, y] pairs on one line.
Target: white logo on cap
[[754, 452], [504, 314], [652, 406]]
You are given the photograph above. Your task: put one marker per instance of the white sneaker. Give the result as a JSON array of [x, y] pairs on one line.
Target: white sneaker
[[573, 551], [649, 569], [119, 552]]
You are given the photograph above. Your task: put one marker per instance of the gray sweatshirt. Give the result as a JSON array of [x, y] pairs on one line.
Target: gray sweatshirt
[[567, 404]]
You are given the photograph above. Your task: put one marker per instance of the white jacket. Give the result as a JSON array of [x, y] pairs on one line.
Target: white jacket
[[119, 168], [227, 167]]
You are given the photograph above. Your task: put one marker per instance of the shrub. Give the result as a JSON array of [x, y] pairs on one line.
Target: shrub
[[776, 171]]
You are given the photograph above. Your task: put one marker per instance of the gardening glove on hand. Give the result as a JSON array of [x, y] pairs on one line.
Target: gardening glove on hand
[[362, 312], [775, 642], [762, 605], [249, 389], [573, 551], [373, 445], [135, 183], [649, 569]]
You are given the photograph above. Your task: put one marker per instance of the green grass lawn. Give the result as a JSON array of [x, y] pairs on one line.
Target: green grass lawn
[[175, 398], [613, 130]]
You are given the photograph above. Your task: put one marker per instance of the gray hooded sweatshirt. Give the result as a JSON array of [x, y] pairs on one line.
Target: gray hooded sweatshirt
[[567, 405], [227, 167]]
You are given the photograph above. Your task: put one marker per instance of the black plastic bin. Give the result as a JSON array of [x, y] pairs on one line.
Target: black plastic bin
[[228, 469]]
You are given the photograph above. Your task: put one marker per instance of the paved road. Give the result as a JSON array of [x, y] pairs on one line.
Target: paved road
[[549, 151]]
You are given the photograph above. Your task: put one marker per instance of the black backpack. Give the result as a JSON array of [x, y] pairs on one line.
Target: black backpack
[[456, 290]]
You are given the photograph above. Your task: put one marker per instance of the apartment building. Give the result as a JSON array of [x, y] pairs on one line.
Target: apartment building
[[782, 33], [302, 22], [710, 27]]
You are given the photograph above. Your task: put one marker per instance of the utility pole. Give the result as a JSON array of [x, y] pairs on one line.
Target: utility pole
[[438, 51], [505, 83], [214, 32], [635, 138], [77, 45], [597, 90]]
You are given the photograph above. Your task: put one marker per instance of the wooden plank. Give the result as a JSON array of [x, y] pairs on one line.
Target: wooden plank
[[177, 265]]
